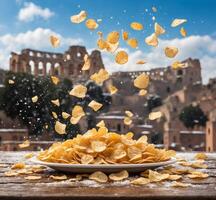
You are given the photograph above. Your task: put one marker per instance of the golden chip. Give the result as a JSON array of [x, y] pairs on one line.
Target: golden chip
[[132, 42], [102, 44], [134, 153], [179, 184], [99, 177], [112, 89], [174, 177], [77, 114], [127, 121], [34, 99], [54, 115], [63, 177], [60, 128], [136, 26], [171, 52], [183, 32], [78, 91], [98, 146], [177, 65], [91, 24], [129, 113], [141, 81], [198, 165], [197, 175], [142, 92], [87, 63], [33, 177], [121, 57], [10, 173], [101, 124], [100, 77], [201, 156], [177, 22], [55, 41], [158, 29], [95, 105], [140, 181], [140, 62], [125, 35], [113, 37], [119, 176], [56, 102], [157, 177], [65, 115], [86, 159], [152, 40], [155, 115], [25, 144], [11, 81], [18, 166], [118, 154], [55, 80], [79, 17], [29, 155], [112, 47]]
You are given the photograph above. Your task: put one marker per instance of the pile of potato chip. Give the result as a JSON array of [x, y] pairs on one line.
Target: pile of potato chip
[[103, 147]]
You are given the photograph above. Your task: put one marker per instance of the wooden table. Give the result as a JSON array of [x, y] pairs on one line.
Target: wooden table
[[17, 187]]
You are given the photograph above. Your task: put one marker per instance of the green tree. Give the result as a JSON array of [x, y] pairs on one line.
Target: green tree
[[192, 115]]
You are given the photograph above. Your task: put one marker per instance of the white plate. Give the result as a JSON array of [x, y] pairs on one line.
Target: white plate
[[108, 168]]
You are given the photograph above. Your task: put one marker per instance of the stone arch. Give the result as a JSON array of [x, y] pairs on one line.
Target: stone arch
[[57, 69], [31, 66], [48, 68], [41, 68]]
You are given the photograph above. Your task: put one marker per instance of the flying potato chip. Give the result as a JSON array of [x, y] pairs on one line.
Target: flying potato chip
[[200, 156], [65, 115], [101, 124], [140, 181], [79, 17], [136, 26], [91, 24], [171, 52], [140, 62], [100, 76], [132, 42], [95, 105], [87, 63], [55, 41], [113, 37], [152, 40], [86, 159], [142, 92], [98, 146], [34, 99], [11, 82], [127, 121], [129, 113], [33, 177], [18, 166], [55, 116], [99, 177], [141, 81], [159, 30], [177, 65], [77, 114], [119, 176], [155, 115], [55, 80], [25, 144], [179, 184], [56, 102], [58, 178], [102, 44], [60, 128], [183, 32], [112, 47], [112, 89], [177, 22], [125, 35], [121, 57], [78, 91]]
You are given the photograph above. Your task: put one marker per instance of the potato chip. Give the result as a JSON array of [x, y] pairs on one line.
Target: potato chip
[[201, 156], [55, 41], [142, 92], [10, 173], [121, 57], [102, 44], [77, 114], [174, 177], [95, 105], [25, 144], [113, 37], [60, 128], [197, 175], [177, 65], [58, 178], [171, 52], [101, 124], [118, 153], [157, 177], [91, 24], [99, 177], [198, 165], [140, 181], [111, 48], [177, 22], [155, 115], [34, 99], [179, 184], [55, 80], [134, 153], [100, 77], [132, 42], [183, 32], [129, 113], [125, 35], [98, 146], [33, 177], [140, 62], [159, 30], [56, 102], [11, 82], [54, 115], [65, 115], [28, 155], [136, 26], [78, 91], [87, 63], [127, 121], [86, 159], [79, 17], [119, 176], [112, 89], [152, 40], [141, 81], [18, 166]]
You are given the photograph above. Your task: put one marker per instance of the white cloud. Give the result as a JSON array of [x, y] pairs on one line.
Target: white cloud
[[201, 47], [36, 39], [30, 11]]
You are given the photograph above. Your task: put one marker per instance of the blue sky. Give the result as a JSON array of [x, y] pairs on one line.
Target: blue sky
[[54, 17]]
